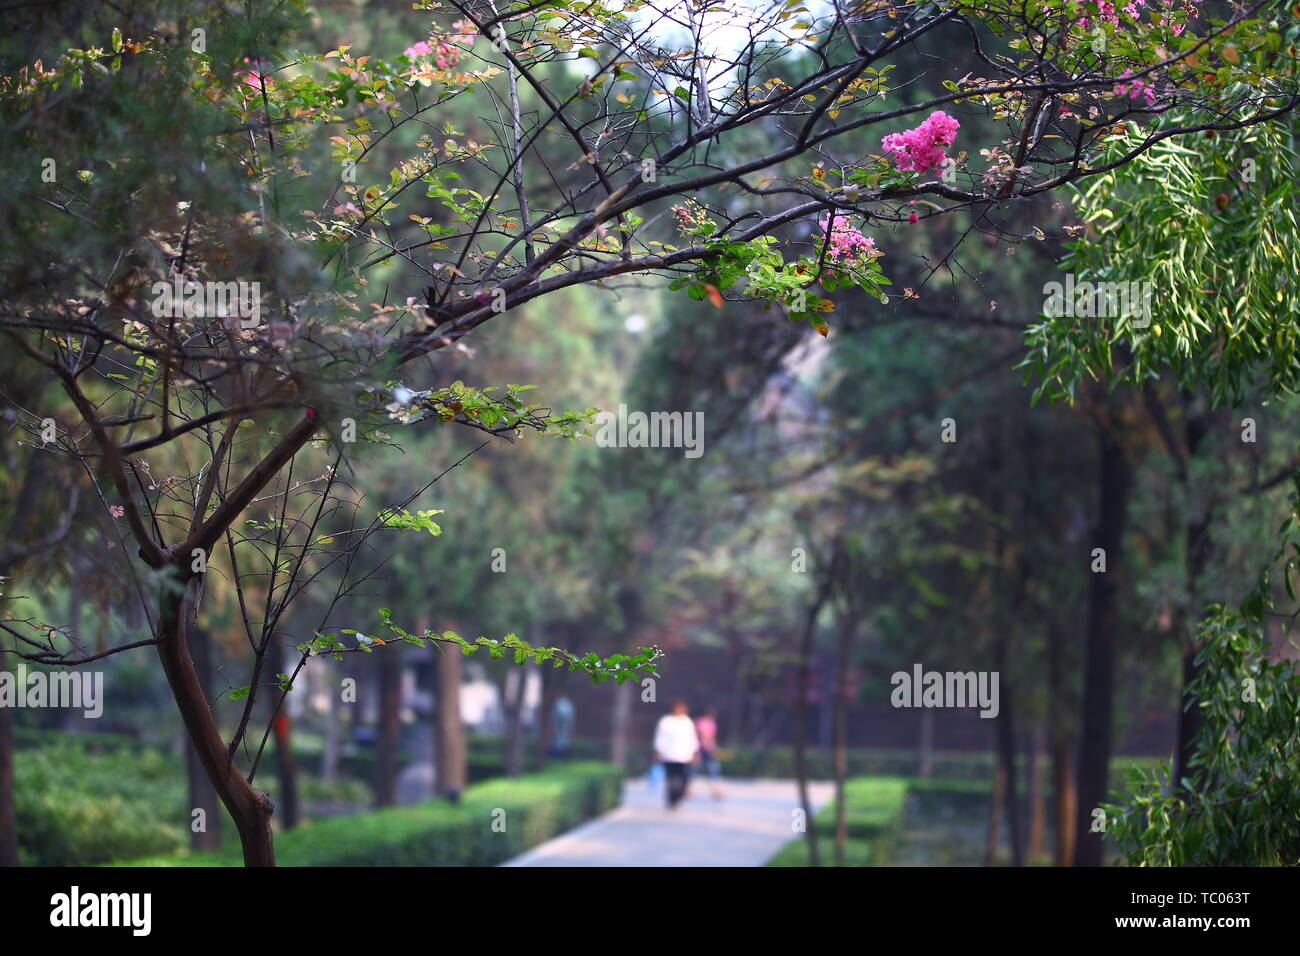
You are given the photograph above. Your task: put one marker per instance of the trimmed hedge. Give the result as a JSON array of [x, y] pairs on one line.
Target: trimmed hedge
[[863, 762], [437, 833], [874, 815]]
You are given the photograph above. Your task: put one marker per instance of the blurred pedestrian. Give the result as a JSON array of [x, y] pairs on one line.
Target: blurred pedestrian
[[706, 730], [676, 745], [562, 724]]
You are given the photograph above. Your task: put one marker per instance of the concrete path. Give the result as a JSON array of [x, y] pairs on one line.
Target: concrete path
[[745, 828]]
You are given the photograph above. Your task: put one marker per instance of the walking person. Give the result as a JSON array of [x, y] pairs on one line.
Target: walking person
[[706, 730], [676, 745]]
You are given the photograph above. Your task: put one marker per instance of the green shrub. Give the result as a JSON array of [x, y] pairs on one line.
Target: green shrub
[[27, 738], [879, 762], [956, 797], [874, 808], [437, 833], [76, 806], [856, 853]]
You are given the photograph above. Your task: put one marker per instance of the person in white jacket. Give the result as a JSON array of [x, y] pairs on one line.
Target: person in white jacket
[[675, 746]]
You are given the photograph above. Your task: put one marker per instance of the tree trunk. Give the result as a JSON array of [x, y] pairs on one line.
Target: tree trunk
[[1065, 798], [545, 703], [203, 796], [513, 693], [821, 675], [390, 726], [1099, 673], [736, 704], [995, 814], [801, 724], [25, 512], [449, 733], [925, 762], [250, 809], [1006, 731], [286, 764], [841, 722], [8, 820], [620, 723], [1062, 747], [329, 758], [1037, 799]]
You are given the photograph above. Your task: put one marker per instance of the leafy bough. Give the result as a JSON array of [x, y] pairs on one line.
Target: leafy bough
[[617, 667]]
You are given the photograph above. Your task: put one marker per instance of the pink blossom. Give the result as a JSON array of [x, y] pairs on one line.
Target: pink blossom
[[116, 511], [253, 76], [447, 49], [1136, 88], [846, 242], [923, 148]]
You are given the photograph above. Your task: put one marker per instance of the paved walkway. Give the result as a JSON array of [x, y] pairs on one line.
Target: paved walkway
[[745, 828]]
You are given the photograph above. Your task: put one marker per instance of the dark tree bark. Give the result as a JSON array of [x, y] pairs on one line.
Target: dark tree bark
[[329, 759], [390, 726], [249, 808], [545, 703], [512, 694], [1062, 748], [620, 723], [736, 703], [1065, 796], [925, 746], [841, 721], [449, 735], [8, 817], [1006, 731], [1099, 672], [203, 796], [996, 804], [12, 552], [825, 702], [286, 764], [1037, 798], [801, 717], [25, 538]]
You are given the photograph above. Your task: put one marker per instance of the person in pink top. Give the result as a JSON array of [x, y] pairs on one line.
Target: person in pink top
[[706, 729]]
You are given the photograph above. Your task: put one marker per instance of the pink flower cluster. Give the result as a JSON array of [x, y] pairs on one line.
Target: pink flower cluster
[[255, 76], [692, 219], [923, 148], [846, 242], [1106, 11], [445, 50], [1135, 88]]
